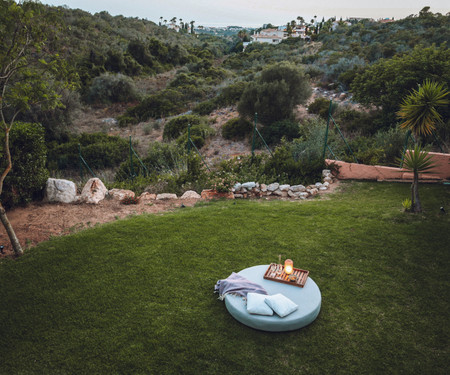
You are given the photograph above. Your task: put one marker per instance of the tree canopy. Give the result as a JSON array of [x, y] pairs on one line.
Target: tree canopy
[[31, 73], [385, 83], [275, 93]]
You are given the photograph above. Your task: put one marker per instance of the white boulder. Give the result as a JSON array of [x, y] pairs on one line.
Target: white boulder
[[63, 191], [166, 196], [190, 194], [94, 191]]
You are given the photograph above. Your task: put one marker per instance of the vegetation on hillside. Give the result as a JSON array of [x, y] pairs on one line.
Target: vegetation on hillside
[[377, 64]]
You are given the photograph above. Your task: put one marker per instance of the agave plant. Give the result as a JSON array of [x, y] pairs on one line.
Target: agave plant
[[417, 161], [419, 110]]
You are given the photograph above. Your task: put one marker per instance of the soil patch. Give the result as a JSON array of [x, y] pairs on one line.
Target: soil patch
[[38, 222]]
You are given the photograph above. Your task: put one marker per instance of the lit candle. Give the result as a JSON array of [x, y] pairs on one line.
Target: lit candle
[[288, 266]]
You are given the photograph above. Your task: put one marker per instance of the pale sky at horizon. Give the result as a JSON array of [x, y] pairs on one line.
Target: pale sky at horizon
[[253, 13]]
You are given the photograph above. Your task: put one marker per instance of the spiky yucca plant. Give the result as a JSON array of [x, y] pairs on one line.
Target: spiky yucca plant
[[419, 110], [417, 161]]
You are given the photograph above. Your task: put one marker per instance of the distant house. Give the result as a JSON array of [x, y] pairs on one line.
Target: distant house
[[386, 20], [275, 36], [173, 26]]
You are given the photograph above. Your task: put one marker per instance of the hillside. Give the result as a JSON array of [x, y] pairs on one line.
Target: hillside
[[132, 77]]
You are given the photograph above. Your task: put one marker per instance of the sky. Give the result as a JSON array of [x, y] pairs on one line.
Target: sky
[[254, 13]]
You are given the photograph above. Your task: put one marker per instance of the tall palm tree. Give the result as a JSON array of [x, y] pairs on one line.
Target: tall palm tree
[[417, 161], [419, 110], [160, 20]]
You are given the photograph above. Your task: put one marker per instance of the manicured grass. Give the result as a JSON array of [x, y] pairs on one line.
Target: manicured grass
[[136, 296]]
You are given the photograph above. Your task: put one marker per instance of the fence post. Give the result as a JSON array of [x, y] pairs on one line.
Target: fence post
[[254, 135], [326, 131], [80, 162], [189, 139], [131, 161]]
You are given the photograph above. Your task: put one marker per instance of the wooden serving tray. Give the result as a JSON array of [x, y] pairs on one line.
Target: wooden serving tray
[[275, 272]]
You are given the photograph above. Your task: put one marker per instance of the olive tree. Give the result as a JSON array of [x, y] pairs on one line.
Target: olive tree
[[31, 74]]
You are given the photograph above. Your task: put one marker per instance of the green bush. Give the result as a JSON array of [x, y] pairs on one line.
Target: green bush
[[112, 88], [98, 149], [274, 132], [205, 108], [28, 175], [321, 107], [164, 103], [284, 168], [237, 128], [179, 125], [231, 94]]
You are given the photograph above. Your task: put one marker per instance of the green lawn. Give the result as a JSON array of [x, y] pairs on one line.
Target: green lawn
[[136, 296]]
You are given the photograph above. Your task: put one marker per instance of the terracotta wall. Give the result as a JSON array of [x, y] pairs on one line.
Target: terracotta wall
[[353, 171]]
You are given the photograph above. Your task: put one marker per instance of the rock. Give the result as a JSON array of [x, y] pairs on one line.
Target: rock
[[63, 191], [263, 188], [297, 188], [190, 194], [304, 195], [243, 190], [325, 172], [238, 195], [273, 187], [237, 186], [322, 188], [291, 194], [328, 179], [146, 197], [326, 184], [314, 191], [166, 196], [284, 194], [257, 185], [284, 187], [94, 191], [120, 194], [277, 192], [318, 184], [343, 96], [249, 185]]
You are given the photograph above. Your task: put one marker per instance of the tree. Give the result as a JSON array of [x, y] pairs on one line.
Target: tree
[[30, 74], [417, 161], [192, 27], [419, 110], [385, 83], [276, 92]]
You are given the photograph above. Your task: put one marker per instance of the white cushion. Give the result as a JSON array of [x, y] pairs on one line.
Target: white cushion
[[282, 305], [256, 304]]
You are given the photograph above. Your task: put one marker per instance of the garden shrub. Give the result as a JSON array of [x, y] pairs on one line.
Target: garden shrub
[[284, 168], [237, 128], [27, 178], [98, 149], [112, 88]]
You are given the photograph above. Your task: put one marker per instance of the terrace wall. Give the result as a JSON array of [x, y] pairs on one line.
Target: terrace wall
[[354, 171]]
